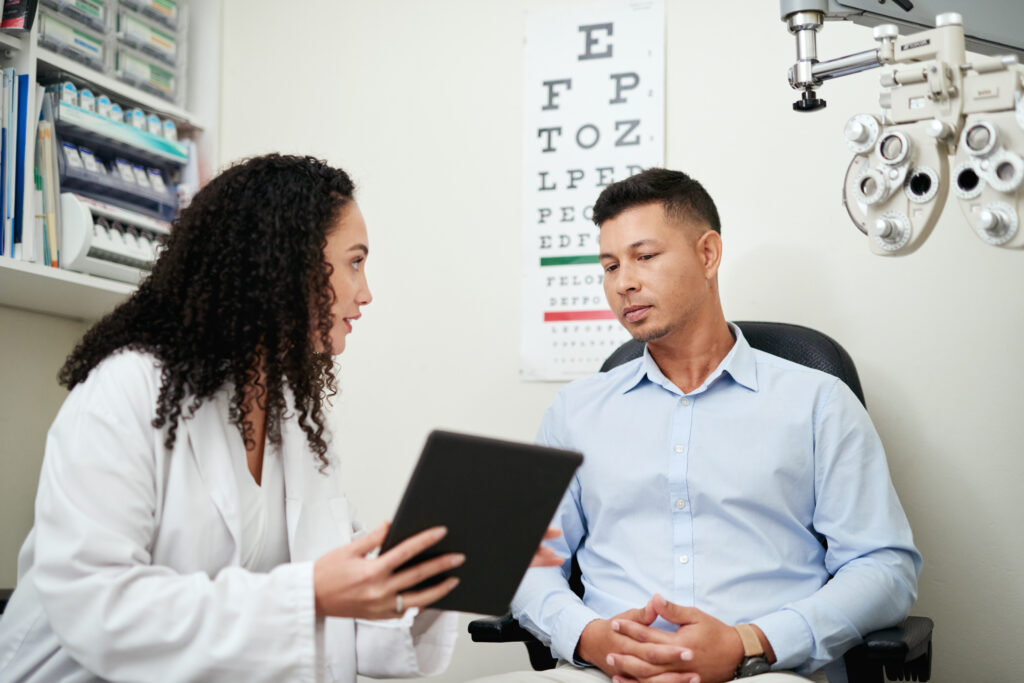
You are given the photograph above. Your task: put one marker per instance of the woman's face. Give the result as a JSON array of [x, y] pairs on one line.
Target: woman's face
[[346, 251]]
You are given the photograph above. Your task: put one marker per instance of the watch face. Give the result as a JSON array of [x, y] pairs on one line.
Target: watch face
[[752, 666]]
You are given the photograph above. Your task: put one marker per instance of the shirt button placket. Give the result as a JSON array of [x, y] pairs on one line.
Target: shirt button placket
[[678, 466]]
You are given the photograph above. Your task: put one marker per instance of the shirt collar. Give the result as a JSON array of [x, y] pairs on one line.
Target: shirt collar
[[739, 364]]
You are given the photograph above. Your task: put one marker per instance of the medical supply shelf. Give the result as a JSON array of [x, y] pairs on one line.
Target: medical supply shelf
[[117, 137], [78, 43], [63, 293], [52, 64], [110, 188], [68, 294], [143, 44], [91, 14]]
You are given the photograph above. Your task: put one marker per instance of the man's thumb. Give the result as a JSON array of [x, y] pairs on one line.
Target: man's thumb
[[677, 614]]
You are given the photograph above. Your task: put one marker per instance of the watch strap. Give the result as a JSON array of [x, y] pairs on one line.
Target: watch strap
[[751, 643]]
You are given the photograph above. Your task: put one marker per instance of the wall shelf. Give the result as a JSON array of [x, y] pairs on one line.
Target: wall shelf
[[51, 63], [64, 293], [9, 41], [53, 291], [102, 133]]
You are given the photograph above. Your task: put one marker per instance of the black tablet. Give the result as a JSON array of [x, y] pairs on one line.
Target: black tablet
[[496, 498]]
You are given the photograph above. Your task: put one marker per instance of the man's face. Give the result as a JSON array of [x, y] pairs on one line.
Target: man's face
[[657, 274]]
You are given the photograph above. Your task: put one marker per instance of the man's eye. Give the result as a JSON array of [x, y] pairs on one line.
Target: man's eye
[[646, 257], [357, 263], [609, 268]]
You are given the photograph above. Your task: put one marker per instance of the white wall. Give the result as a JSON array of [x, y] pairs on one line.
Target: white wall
[[420, 101]]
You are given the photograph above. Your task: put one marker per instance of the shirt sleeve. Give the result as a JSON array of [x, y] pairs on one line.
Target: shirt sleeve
[[544, 604], [120, 616], [870, 550]]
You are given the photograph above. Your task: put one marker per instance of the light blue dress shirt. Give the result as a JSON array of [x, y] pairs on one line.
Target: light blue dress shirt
[[722, 498]]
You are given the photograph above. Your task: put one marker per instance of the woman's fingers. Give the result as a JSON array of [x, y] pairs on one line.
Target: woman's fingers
[[546, 557], [346, 583], [366, 544], [412, 576], [411, 547], [429, 596]]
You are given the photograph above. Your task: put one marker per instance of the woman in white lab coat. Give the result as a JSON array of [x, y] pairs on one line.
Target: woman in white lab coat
[[190, 520]]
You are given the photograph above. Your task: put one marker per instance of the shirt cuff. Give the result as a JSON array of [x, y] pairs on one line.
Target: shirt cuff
[[567, 630], [790, 638]]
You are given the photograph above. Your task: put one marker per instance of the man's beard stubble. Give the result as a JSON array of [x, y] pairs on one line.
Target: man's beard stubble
[[651, 335]]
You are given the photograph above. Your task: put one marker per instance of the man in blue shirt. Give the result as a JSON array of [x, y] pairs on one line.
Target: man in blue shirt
[[734, 513]]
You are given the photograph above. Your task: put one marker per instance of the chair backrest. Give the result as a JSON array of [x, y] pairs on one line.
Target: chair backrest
[[793, 342]]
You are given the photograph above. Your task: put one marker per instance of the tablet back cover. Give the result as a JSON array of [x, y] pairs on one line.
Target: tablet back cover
[[496, 498]]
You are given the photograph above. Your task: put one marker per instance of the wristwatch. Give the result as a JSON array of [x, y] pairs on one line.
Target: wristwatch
[[754, 662]]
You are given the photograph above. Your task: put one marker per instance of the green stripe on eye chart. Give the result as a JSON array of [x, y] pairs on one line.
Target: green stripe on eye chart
[[585, 260]]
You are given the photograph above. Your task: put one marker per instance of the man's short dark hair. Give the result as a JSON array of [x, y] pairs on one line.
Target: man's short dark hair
[[682, 196]]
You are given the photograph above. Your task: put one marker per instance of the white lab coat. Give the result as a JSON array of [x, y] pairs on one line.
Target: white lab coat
[[132, 573]]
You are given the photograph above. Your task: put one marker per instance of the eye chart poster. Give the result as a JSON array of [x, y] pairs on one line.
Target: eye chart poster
[[594, 114]]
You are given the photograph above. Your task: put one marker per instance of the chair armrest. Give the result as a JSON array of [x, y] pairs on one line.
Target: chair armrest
[[902, 643], [507, 630], [904, 652], [498, 630]]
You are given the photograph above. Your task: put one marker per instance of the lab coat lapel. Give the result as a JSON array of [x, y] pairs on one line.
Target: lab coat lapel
[[318, 521], [316, 510], [213, 441]]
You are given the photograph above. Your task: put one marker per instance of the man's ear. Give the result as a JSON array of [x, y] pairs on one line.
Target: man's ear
[[709, 249]]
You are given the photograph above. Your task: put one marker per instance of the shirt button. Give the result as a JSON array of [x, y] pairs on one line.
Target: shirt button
[[683, 559], [679, 449], [685, 401], [680, 504]]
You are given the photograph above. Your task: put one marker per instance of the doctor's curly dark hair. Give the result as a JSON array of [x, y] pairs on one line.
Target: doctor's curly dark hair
[[241, 282]]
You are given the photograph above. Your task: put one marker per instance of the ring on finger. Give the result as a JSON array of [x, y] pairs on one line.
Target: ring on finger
[[398, 603]]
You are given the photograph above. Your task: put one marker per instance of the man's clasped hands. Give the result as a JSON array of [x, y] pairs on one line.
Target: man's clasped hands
[[701, 650]]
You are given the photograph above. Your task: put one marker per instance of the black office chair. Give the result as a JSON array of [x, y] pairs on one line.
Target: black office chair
[[903, 652]]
